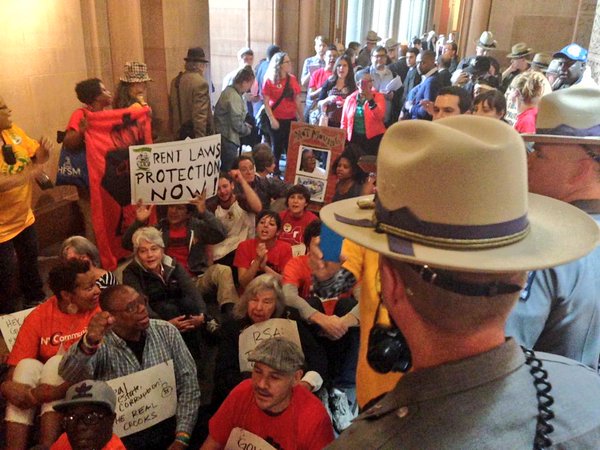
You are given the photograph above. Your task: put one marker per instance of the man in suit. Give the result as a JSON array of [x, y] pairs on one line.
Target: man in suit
[[427, 90]]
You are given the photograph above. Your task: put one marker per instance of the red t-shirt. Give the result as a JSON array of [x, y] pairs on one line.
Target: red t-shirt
[[277, 257], [45, 329], [304, 425], [287, 107], [63, 443], [318, 78], [178, 248], [526, 121], [76, 117], [292, 229]]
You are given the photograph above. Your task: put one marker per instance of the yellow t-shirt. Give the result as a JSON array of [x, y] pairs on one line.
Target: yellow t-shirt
[[15, 204], [364, 264]]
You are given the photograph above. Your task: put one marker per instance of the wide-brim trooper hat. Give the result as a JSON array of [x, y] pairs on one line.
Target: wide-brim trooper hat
[[569, 116], [453, 194]]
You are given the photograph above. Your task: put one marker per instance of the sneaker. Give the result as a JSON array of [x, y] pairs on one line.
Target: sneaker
[[323, 395], [340, 410], [212, 326]]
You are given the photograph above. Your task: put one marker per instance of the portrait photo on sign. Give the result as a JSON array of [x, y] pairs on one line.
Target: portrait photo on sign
[[313, 162], [315, 186]]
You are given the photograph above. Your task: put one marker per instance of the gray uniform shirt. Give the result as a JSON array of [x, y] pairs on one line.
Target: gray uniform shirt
[[484, 402]]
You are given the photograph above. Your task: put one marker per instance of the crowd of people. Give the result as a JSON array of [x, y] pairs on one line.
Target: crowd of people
[[469, 239]]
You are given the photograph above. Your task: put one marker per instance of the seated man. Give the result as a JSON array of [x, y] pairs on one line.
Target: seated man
[[46, 333], [121, 340], [89, 414], [236, 212], [271, 409], [267, 189]]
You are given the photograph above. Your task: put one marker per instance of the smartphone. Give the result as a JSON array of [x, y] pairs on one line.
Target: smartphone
[[331, 244]]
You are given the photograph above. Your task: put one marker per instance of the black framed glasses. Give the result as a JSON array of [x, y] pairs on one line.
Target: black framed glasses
[[133, 306], [88, 419]]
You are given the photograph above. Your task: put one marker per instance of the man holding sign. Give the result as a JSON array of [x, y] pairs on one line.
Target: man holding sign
[[271, 411], [122, 340]]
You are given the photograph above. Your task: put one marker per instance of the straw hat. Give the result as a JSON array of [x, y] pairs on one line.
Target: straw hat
[[135, 72], [453, 194], [519, 50], [568, 116], [486, 40], [390, 43]]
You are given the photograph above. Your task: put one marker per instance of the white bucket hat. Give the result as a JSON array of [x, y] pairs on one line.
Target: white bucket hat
[[569, 116], [453, 194]]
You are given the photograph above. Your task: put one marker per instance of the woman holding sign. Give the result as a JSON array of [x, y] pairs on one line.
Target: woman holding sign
[[263, 300]]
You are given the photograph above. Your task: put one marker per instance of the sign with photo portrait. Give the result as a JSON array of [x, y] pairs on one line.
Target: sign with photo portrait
[[311, 152]]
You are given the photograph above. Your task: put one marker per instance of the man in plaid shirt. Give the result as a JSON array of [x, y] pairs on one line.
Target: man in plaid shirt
[[122, 340]]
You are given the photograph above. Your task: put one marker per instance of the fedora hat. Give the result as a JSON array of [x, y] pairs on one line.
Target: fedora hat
[[135, 72], [541, 61], [372, 36], [453, 194], [486, 40], [568, 116], [196, 54]]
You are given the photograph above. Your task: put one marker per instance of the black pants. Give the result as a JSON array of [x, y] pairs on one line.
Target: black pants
[[279, 140], [368, 146], [25, 245]]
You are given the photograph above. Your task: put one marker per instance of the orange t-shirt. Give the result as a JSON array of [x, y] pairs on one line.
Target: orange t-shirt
[[63, 443], [46, 329]]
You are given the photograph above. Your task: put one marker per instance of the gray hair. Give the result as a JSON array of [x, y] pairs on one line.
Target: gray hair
[[81, 246], [264, 282], [149, 234]]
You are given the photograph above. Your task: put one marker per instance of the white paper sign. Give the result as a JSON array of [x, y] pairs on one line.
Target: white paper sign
[[240, 439], [174, 172], [10, 324], [253, 335], [144, 398]]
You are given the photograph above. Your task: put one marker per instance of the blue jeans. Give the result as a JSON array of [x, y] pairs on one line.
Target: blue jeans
[[229, 152]]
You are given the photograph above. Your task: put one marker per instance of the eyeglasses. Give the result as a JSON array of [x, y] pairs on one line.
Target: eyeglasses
[[88, 419], [133, 306]]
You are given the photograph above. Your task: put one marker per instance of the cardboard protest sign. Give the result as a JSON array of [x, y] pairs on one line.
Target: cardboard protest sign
[[174, 172], [10, 324], [144, 398], [253, 335], [244, 440], [311, 152]]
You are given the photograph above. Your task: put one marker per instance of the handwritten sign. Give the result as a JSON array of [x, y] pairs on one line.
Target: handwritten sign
[[10, 324], [240, 439], [253, 335], [144, 398], [174, 172]]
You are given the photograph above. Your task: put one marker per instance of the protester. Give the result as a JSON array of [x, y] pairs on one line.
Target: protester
[[272, 407], [352, 181], [527, 89], [131, 90], [122, 340], [20, 163], [78, 247], [49, 330], [296, 217], [335, 90], [490, 103], [88, 416]]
